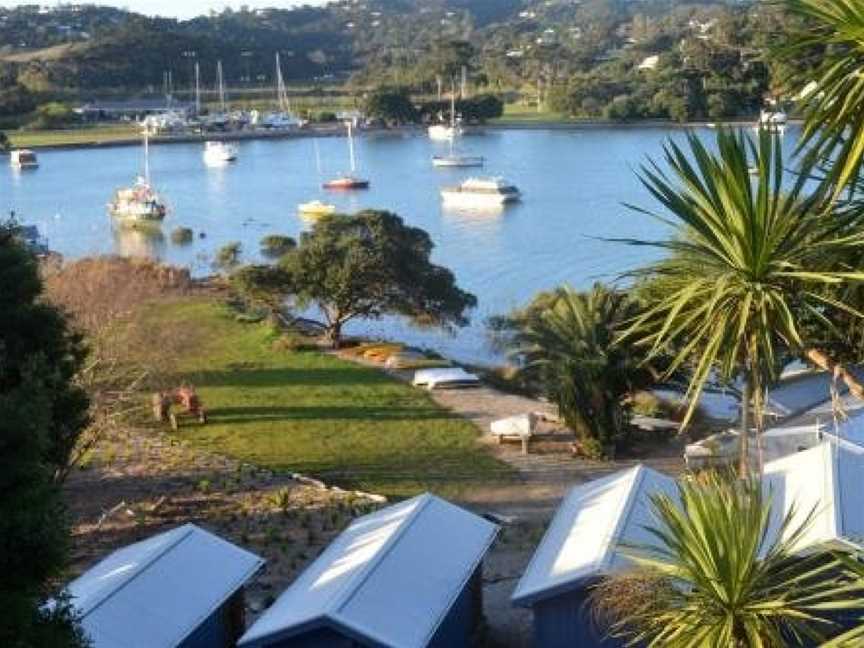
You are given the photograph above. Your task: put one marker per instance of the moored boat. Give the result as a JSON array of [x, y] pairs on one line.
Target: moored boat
[[316, 208], [217, 153], [23, 159], [480, 193], [139, 204], [457, 160], [349, 180], [444, 132]]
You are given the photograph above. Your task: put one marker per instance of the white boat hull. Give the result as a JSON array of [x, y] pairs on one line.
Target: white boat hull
[[457, 161], [468, 200]]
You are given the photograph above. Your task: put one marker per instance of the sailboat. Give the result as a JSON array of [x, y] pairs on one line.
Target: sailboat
[[315, 208], [445, 132], [349, 180], [453, 159], [139, 204], [283, 118]]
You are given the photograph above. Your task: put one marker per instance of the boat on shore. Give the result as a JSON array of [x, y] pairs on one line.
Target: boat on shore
[[140, 204], [23, 159], [219, 153], [481, 193]]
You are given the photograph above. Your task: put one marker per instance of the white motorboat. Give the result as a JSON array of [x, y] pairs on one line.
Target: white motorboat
[[218, 153], [479, 193], [23, 159], [774, 121], [139, 204]]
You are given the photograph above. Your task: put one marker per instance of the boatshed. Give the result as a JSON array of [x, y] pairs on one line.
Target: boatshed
[[182, 588], [825, 481], [406, 576], [582, 544]]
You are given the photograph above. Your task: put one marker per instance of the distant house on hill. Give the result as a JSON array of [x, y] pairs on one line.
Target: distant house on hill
[[406, 576], [179, 589], [649, 63], [583, 544]]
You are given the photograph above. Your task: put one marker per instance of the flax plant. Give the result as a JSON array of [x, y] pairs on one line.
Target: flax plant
[[747, 258]]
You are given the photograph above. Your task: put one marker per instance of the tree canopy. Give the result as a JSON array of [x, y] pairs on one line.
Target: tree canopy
[[371, 264], [42, 414]]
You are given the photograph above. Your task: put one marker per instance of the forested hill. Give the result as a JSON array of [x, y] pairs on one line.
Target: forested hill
[[578, 52]]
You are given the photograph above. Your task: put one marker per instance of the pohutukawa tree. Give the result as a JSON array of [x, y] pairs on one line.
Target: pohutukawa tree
[[748, 260], [369, 265]]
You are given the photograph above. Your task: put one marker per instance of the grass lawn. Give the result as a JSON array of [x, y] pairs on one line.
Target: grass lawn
[[523, 113], [88, 135], [309, 412]]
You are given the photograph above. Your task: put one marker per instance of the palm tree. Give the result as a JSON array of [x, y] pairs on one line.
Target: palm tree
[[567, 342], [748, 258], [834, 102], [719, 576]]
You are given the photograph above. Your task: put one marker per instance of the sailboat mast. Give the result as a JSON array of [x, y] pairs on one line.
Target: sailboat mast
[[351, 147], [221, 86], [147, 158], [197, 88]]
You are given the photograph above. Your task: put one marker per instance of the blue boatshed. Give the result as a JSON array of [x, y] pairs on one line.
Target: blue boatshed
[[182, 588], [581, 545], [406, 576]]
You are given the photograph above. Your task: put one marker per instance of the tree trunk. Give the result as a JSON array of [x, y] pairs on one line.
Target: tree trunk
[[334, 333], [744, 445], [823, 361]]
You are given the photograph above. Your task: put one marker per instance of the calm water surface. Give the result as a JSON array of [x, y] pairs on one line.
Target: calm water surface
[[574, 183]]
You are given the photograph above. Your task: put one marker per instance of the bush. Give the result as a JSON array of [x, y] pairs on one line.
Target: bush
[[54, 115], [326, 116], [277, 245], [228, 256], [182, 236]]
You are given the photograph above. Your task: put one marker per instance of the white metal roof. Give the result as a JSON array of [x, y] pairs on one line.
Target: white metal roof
[[389, 578], [154, 593], [826, 480], [592, 522]]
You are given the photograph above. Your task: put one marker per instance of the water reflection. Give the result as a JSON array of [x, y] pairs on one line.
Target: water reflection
[[139, 241]]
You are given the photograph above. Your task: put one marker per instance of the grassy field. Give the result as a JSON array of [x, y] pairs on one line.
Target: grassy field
[[309, 412], [524, 112], [89, 135]]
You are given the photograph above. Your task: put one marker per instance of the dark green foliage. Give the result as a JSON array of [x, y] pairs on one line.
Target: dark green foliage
[[262, 285], [54, 115], [182, 235], [566, 343], [277, 245], [391, 105], [473, 109], [228, 256], [371, 264], [41, 415], [4, 142], [15, 100]]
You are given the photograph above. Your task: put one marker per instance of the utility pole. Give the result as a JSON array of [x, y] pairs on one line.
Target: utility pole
[[438, 81]]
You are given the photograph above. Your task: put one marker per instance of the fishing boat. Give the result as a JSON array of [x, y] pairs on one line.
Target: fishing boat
[[453, 159], [219, 153], [23, 159], [139, 204], [480, 193], [349, 180], [316, 208]]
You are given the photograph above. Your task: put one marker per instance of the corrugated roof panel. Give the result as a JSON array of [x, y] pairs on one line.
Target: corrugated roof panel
[[583, 537], [389, 577], [155, 593]]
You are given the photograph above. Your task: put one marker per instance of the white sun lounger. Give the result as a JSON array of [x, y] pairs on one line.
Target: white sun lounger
[[451, 377], [520, 427]]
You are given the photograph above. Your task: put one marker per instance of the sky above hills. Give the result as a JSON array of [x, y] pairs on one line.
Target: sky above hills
[[179, 8]]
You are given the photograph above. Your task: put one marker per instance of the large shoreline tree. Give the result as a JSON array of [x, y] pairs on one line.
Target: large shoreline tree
[[368, 265]]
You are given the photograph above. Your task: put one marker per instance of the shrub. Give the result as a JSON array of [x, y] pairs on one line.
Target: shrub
[[182, 236]]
